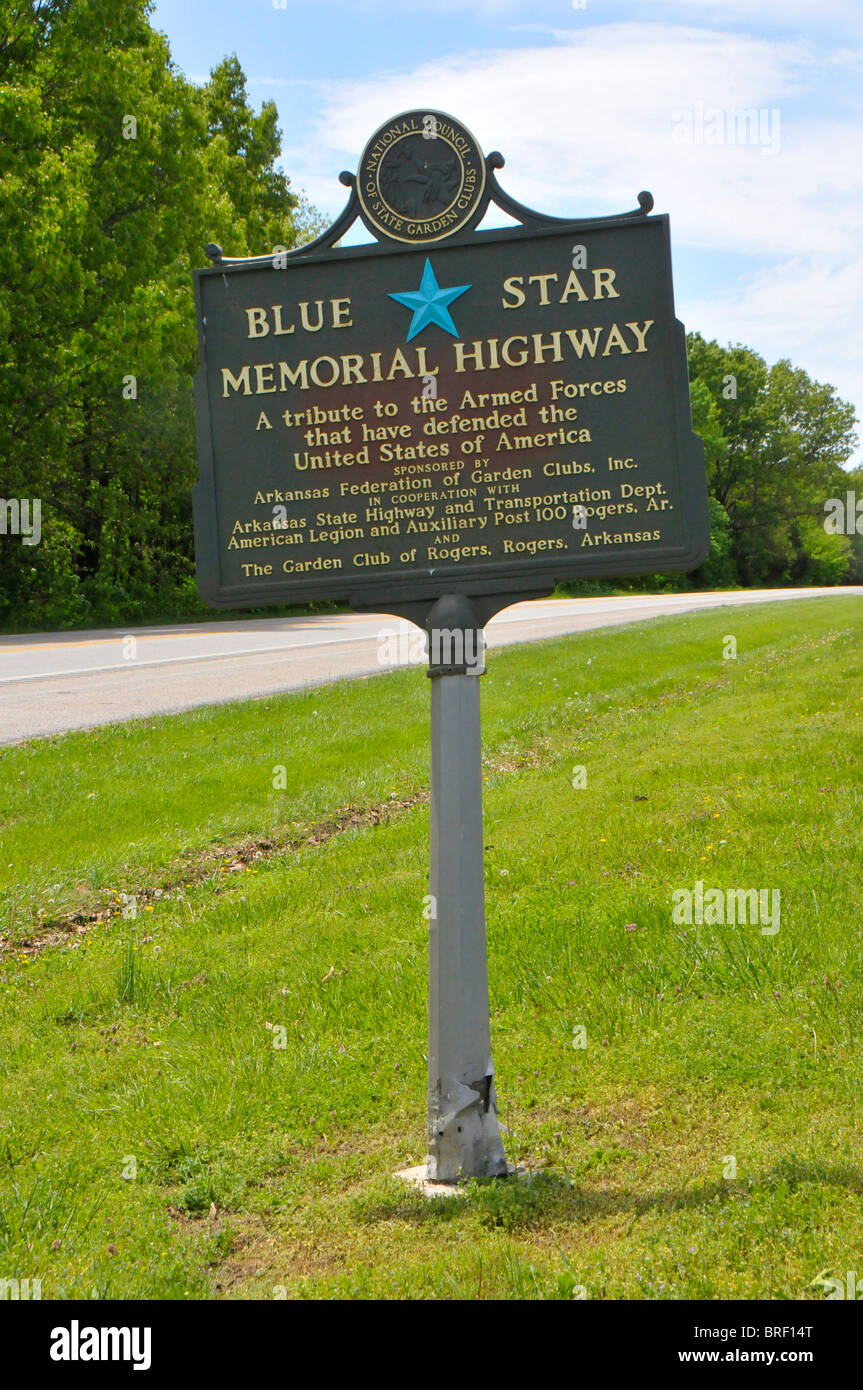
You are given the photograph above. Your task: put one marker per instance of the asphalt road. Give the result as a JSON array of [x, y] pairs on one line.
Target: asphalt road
[[53, 682]]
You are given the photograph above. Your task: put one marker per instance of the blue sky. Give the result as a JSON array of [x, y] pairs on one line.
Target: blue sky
[[591, 103]]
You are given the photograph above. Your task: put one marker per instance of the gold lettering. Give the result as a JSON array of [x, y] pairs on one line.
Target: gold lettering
[[512, 285]]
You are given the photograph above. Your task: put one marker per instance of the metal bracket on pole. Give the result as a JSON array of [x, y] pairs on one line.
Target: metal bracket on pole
[[463, 1134]]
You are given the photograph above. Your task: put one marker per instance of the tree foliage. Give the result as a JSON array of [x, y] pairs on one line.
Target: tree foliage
[[115, 172], [775, 445]]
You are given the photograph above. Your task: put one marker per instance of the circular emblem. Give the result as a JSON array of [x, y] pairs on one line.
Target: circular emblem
[[421, 178]]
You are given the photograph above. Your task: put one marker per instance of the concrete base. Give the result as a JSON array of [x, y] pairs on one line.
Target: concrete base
[[417, 1178], [430, 1188]]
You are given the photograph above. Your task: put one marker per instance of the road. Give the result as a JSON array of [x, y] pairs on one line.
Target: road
[[53, 682]]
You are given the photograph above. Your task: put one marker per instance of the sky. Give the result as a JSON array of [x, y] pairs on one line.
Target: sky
[[591, 101]]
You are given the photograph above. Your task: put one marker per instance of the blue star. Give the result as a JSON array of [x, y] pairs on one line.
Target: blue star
[[429, 303]]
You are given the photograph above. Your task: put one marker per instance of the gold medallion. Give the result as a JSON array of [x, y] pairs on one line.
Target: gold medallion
[[421, 178]]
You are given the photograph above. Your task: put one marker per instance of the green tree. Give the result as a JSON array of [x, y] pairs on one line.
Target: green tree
[[775, 443], [115, 172]]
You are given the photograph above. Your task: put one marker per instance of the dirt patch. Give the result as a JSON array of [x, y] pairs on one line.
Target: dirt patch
[[69, 927], [275, 1257]]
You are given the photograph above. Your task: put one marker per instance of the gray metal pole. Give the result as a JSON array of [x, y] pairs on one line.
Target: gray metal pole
[[463, 1134]]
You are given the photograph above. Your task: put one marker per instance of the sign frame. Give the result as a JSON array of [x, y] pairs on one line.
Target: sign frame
[[463, 1132], [496, 583]]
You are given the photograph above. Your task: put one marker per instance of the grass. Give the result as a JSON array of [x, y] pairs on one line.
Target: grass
[[210, 1099]]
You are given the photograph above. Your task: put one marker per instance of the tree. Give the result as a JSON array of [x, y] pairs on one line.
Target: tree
[[115, 172], [775, 445]]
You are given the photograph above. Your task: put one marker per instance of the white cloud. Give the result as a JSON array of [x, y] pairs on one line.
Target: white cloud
[[804, 309], [591, 116], [587, 121]]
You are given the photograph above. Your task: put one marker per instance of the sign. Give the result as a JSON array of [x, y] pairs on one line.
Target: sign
[[438, 424], [445, 410]]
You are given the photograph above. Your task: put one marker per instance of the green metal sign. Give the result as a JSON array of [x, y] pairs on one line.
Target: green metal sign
[[446, 410]]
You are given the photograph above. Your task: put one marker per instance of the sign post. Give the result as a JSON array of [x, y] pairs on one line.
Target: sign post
[[437, 425], [463, 1134]]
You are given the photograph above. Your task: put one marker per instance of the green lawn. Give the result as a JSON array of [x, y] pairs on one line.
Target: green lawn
[[705, 1143]]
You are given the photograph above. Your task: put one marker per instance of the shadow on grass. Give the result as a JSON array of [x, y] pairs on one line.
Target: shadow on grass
[[532, 1201]]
